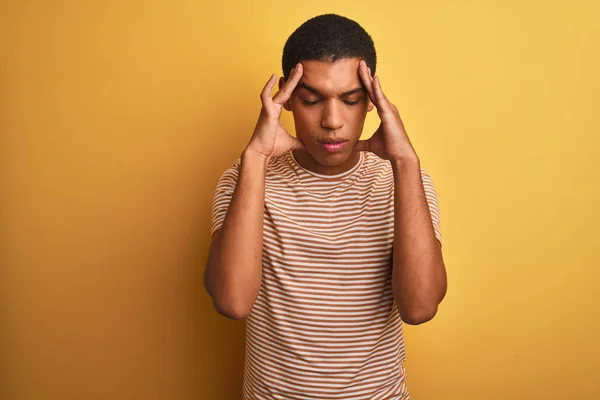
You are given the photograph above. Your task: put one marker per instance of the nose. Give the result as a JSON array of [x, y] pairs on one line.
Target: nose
[[332, 119]]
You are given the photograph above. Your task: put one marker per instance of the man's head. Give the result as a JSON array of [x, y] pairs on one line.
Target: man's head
[[330, 102], [330, 38]]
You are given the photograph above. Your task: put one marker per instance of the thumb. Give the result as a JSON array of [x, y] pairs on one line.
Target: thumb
[[362, 145], [297, 144]]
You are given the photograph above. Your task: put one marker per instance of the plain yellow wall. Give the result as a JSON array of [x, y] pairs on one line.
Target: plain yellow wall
[[117, 118]]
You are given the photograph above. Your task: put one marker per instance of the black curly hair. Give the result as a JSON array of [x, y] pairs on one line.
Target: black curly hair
[[328, 37]]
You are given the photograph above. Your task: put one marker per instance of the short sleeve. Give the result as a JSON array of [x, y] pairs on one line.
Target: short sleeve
[[432, 201], [223, 195]]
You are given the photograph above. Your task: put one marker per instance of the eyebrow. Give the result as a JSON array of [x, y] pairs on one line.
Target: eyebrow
[[315, 91]]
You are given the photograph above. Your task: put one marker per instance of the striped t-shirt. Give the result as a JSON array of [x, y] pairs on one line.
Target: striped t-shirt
[[324, 324]]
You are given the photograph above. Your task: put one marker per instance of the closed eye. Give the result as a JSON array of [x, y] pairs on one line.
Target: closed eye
[[310, 103], [353, 99], [314, 102]]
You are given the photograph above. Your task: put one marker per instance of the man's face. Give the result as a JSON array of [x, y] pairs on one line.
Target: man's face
[[329, 106]]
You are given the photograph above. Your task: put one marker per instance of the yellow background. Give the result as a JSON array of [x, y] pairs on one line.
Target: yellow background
[[118, 117]]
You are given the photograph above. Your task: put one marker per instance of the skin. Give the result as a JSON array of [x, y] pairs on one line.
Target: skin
[[329, 101]]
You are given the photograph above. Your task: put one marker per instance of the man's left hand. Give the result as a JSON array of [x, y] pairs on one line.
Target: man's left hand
[[390, 140]]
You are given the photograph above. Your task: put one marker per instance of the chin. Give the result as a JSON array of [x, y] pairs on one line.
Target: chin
[[330, 159]]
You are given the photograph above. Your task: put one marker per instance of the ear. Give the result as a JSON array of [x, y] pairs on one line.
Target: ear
[[286, 105], [371, 106]]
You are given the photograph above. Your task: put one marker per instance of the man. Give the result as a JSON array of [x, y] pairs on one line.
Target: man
[[326, 243]]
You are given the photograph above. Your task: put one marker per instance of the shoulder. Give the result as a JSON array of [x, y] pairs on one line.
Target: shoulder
[[276, 167], [280, 167], [427, 179], [231, 173], [375, 164], [371, 160]]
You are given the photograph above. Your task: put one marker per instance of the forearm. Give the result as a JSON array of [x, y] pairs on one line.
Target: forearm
[[419, 275], [234, 269]]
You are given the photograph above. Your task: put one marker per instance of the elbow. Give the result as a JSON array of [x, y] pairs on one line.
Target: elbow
[[232, 310], [232, 313], [227, 307], [227, 304], [418, 316]]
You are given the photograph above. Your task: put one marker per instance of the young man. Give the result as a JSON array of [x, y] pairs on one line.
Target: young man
[[324, 242]]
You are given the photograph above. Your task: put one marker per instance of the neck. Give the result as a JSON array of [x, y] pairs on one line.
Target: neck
[[307, 161]]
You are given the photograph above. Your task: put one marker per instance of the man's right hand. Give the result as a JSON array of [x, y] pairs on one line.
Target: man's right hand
[[233, 272], [270, 139]]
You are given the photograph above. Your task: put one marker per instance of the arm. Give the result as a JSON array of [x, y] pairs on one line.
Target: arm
[[234, 268], [233, 271], [419, 275]]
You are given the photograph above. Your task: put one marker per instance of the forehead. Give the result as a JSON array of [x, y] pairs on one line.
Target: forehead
[[332, 78]]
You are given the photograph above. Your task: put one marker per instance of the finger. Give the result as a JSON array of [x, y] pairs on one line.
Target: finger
[[367, 80], [286, 91], [265, 95], [377, 90], [297, 144], [362, 145], [382, 101]]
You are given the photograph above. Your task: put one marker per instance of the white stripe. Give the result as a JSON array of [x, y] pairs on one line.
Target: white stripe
[[326, 289]]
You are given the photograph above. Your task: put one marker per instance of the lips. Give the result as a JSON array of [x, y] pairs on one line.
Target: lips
[[333, 145]]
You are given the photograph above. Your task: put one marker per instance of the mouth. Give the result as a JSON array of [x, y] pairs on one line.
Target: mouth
[[333, 145]]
